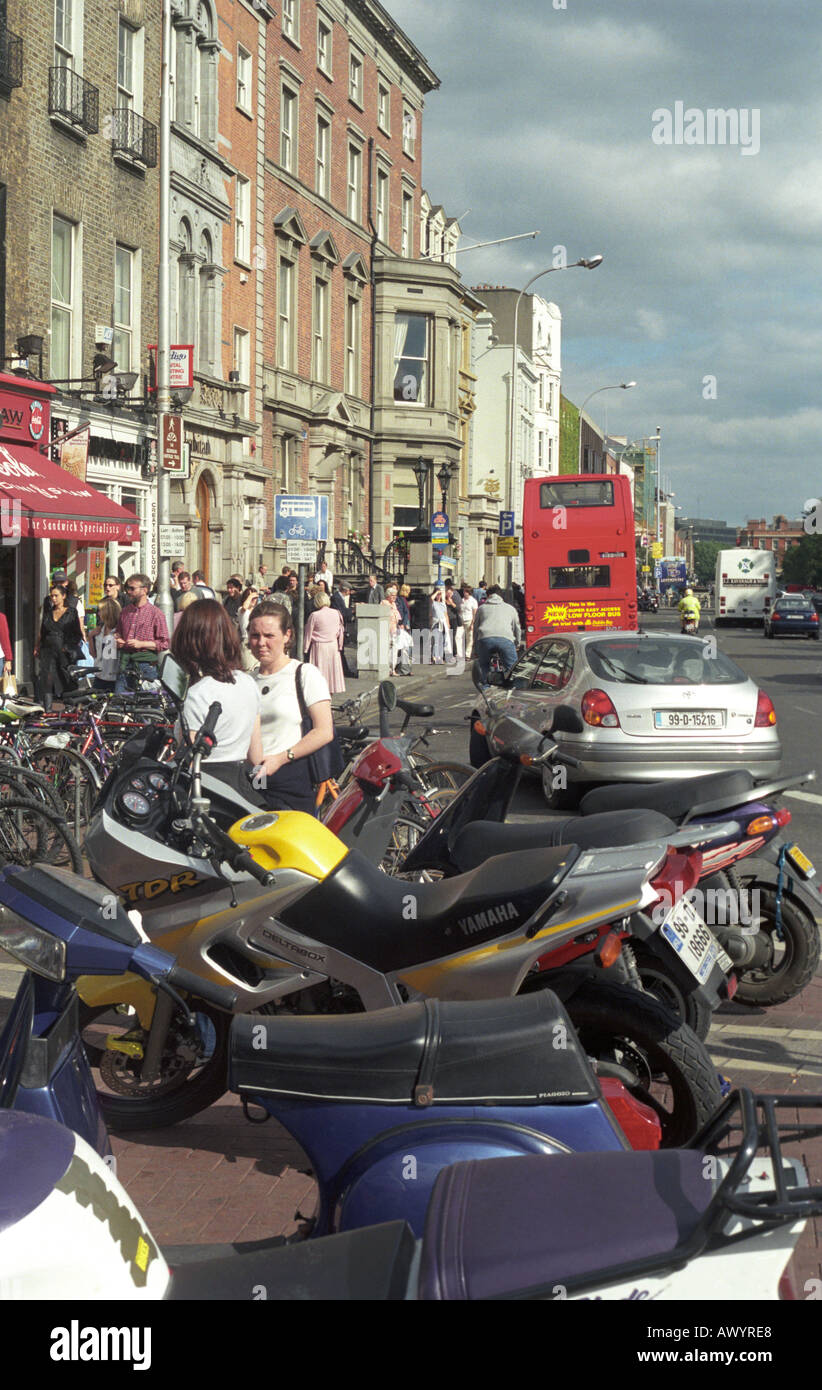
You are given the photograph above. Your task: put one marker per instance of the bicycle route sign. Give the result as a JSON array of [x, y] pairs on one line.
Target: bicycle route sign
[[300, 518]]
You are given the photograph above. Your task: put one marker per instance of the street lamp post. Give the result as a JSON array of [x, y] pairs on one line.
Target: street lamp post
[[620, 386], [585, 263]]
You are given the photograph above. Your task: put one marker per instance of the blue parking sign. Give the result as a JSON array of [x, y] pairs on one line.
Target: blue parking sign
[[300, 518], [506, 524]]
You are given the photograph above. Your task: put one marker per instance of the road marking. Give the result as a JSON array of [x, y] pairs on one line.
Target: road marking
[[747, 1031], [766, 1065], [802, 710], [805, 796]]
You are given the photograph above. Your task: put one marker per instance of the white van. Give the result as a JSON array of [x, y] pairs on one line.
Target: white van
[[745, 587]]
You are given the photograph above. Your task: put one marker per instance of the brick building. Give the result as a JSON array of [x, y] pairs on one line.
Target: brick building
[[779, 536], [343, 152], [79, 107]]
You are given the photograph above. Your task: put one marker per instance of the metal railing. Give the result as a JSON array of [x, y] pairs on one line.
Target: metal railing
[[133, 135], [75, 99], [11, 60], [395, 558]]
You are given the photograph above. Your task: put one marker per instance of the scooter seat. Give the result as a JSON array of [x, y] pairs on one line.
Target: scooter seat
[[416, 711], [391, 925], [483, 1052], [477, 841], [523, 1226], [673, 798]]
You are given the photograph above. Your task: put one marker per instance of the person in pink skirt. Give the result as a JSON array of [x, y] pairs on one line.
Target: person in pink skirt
[[324, 637]]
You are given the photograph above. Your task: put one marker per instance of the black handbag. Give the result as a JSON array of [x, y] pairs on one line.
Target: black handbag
[[328, 762]]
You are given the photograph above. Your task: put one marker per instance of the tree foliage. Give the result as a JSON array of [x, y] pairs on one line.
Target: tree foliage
[[705, 553], [803, 563]]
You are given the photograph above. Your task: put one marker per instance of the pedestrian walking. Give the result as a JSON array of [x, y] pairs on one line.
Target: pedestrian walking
[[323, 642], [60, 637], [375, 593], [440, 628], [288, 736], [468, 609]]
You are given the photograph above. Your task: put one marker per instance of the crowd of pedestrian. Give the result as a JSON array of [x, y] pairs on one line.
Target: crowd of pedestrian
[[241, 650]]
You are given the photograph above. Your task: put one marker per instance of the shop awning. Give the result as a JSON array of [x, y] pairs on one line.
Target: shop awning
[[38, 499]]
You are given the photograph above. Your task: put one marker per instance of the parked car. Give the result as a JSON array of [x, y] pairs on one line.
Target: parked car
[[654, 706], [793, 615]]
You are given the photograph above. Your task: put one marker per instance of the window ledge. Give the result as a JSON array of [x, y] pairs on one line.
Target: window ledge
[[355, 102], [295, 43], [244, 111], [244, 265], [68, 127]]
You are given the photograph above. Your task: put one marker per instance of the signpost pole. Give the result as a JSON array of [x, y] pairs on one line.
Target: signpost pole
[[299, 616], [164, 600]]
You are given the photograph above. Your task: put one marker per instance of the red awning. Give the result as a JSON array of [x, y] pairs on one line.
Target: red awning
[[39, 499]]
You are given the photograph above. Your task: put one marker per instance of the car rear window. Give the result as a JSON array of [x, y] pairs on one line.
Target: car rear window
[[794, 605], [659, 662]]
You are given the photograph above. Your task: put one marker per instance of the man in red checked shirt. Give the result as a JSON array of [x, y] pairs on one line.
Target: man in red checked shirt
[[141, 633]]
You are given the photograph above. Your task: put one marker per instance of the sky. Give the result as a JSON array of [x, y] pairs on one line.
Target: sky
[[563, 118]]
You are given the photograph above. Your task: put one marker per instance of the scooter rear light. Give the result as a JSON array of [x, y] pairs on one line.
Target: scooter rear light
[[731, 985], [598, 710], [608, 951], [783, 818], [761, 825], [479, 728], [639, 1123], [765, 712]]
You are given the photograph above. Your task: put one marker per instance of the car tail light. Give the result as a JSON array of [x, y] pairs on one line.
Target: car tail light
[[765, 712], [598, 710], [814, 616]]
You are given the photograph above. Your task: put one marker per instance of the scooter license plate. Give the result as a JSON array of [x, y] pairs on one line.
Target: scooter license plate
[[692, 939], [801, 861]]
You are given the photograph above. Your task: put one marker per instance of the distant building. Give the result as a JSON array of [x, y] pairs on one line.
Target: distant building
[[778, 537], [709, 529]]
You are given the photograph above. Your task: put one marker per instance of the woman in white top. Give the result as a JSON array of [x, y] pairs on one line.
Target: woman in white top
[[207, 645], [280, 749], [104, 645]]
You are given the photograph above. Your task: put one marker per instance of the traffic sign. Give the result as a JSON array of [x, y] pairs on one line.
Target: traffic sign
[[172, 540], [301, 552], [508, 545], [506, 523], [646, 569], [301, 518], [656, 550]]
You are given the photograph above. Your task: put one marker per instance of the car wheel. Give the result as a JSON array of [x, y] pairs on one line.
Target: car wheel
[[559, 797]]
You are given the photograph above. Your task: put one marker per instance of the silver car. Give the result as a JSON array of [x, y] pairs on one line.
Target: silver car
[[653, 706]]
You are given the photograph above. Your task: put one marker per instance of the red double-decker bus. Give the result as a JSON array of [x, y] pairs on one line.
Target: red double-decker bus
[[579, 554]]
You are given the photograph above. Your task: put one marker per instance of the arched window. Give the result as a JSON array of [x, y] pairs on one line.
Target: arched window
[[208, 315], [185, 284], [207, 58]]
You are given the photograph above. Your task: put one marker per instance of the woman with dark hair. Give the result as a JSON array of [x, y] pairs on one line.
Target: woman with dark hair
[[294, 695], [207, 646], [60, 636]]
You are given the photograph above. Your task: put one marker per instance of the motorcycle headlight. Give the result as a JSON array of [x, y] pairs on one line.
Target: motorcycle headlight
[[38, 950]]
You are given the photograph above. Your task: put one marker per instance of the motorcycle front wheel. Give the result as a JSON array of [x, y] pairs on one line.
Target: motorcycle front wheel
[[631, 1036], [193, 1075]]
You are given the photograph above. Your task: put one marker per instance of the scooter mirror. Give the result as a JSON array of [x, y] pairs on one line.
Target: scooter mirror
[[388, 695], [566, 721], [172, 677]]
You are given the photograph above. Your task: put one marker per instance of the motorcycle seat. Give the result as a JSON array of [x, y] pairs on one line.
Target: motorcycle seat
[[568, 1218], [673, 798], [481, 1052], [476, 841], [391, 925], [416, 711]]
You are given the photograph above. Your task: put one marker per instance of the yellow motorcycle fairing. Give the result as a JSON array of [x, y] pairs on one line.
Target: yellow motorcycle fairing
[[104, 991], [290, 840]]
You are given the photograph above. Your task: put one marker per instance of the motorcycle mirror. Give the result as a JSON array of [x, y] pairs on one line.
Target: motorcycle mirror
[[172, 677], [566, 721], [387, 695]]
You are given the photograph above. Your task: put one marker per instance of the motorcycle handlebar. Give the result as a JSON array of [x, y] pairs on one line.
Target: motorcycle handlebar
[[235, 855], [220, 995]]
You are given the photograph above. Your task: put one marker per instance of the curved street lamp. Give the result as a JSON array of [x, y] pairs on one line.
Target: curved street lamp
[[620, 386], [584, 263]]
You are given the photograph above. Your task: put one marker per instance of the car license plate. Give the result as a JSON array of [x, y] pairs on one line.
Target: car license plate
[[692, 939], [689, 719], [800, 861]]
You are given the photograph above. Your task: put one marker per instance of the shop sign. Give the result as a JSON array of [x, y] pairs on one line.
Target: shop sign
[[22, 418], [180, 365], [74, 454]]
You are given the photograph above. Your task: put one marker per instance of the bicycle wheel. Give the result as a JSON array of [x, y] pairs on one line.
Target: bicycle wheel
[[30, 835], [24, 782], [74, 780], [404, 836], [439, 775]]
